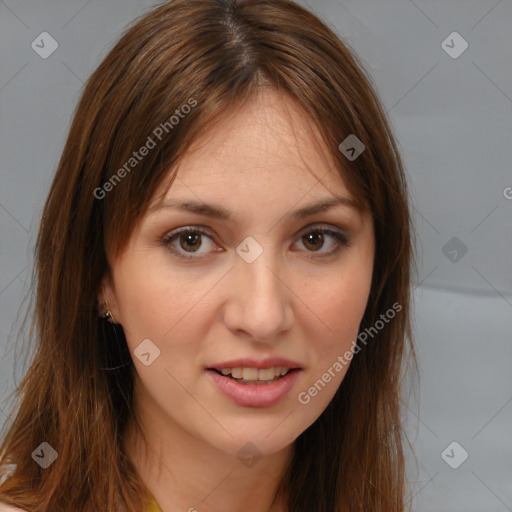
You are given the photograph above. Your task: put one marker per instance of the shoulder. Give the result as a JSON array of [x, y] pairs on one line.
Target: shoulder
[[7, 508]]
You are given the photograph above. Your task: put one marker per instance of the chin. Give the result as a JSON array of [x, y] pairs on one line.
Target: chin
[[255, 436]]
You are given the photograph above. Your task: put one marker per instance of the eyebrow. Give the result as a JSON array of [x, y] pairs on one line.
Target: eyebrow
[[221, 213]]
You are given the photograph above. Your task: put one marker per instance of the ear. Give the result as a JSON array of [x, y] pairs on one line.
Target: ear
[[106, 292]]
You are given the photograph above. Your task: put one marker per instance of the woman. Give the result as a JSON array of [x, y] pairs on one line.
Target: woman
[[223, 270]]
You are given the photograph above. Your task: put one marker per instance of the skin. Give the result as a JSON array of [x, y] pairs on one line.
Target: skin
[[295, 300]]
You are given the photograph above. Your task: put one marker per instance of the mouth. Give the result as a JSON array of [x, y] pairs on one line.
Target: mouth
[[255, 384], [255, 376]]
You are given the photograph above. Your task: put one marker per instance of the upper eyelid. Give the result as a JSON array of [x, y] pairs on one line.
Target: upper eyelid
[[309, 227]]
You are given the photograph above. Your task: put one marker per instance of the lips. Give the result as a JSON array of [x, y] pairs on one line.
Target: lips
[[255, 383], [256, 393]]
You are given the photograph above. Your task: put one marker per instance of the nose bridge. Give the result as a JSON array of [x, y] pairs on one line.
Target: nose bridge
[[261, 274]]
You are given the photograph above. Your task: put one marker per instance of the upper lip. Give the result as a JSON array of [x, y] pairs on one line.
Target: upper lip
[[261, 364]]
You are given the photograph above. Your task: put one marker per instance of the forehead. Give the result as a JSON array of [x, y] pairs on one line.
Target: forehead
[[268, 149]]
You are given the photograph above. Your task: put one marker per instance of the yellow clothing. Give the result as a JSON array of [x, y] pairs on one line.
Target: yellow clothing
[[153, 506]]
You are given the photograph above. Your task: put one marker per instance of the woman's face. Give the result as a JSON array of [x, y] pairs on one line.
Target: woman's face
[[253, 286]]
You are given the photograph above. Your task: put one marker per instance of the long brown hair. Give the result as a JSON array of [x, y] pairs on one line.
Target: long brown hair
[[76, 395]]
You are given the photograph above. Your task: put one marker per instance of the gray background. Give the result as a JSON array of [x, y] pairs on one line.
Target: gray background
[[452, 118]]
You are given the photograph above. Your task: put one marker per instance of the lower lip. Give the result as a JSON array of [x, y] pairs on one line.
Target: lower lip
[[255, 395]]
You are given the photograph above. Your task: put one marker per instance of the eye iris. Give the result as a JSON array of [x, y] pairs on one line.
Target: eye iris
[[193, 238], [315, 237]]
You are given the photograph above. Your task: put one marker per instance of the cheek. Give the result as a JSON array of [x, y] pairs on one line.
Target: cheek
[[169, 308], [339, 309], [338, 303], [346, 302], [165, 309]]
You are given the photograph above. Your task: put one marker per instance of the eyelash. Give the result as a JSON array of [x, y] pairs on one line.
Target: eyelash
[[341, 238]]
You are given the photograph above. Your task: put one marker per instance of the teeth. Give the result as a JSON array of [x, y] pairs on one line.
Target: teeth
[[250, 373], [236, 373], [255, 373], [266, 374]]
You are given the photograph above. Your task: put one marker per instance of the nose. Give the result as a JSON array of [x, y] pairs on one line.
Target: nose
[[260, 299]]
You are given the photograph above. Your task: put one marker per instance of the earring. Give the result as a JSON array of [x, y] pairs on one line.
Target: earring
[[108, 314]]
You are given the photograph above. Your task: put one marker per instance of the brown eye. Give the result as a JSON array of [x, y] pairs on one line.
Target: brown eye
[[186, 240], [190, 242], [314, 240]]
